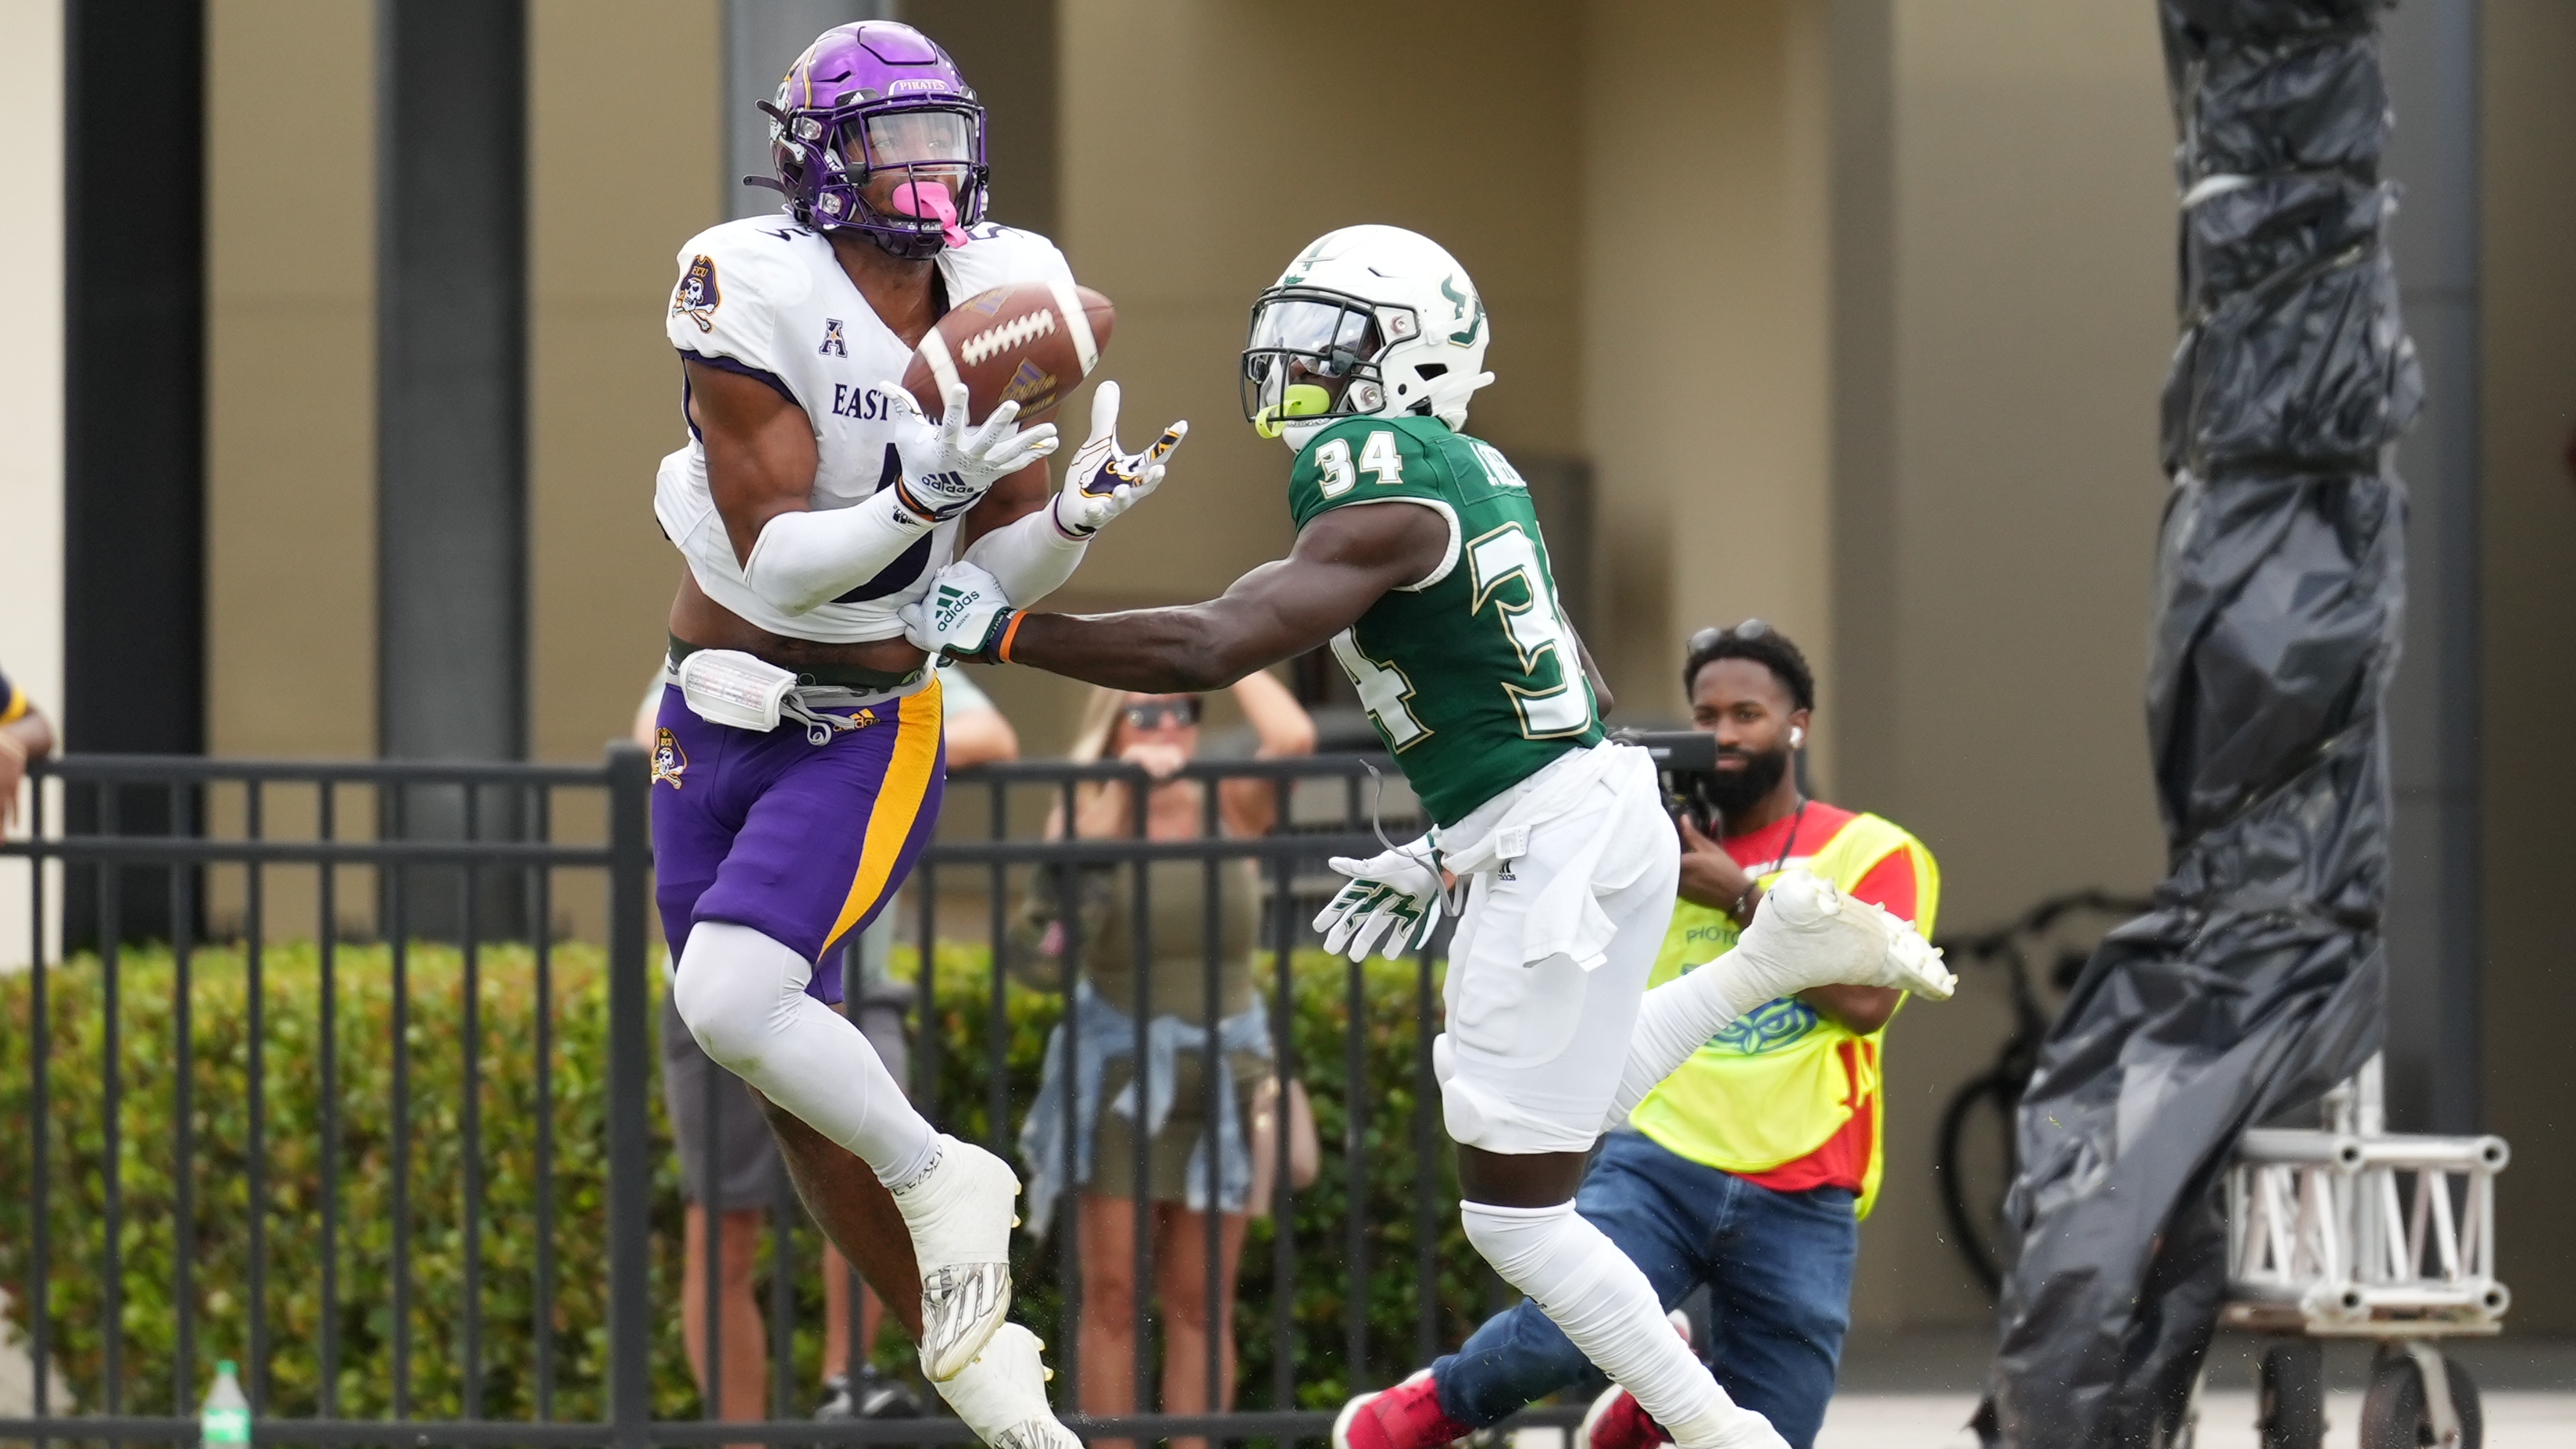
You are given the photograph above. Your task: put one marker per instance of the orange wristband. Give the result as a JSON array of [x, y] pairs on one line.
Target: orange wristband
[[1002, 651]]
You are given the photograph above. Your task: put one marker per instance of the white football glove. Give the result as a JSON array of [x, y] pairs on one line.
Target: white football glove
[[947, 465], [1806, 933], [1395, 894], [964, 613], [1104, 480]]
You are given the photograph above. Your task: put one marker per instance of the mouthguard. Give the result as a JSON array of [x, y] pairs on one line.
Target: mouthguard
[[930, 199], [1302, 400]]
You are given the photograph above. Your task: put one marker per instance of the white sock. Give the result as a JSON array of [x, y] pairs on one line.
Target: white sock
[[1674, 1020], [743, 995], [1587, 1287]]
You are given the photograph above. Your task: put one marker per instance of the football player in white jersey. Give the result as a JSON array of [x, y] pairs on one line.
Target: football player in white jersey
[[797, 754]]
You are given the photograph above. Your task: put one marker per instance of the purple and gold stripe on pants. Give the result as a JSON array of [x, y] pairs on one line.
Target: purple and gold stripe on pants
[[804, 843]]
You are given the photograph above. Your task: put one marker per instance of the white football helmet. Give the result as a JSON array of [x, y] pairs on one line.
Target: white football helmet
[[1368, 320]]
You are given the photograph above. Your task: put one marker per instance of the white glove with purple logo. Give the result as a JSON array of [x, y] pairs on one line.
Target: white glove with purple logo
[[1104, 480]]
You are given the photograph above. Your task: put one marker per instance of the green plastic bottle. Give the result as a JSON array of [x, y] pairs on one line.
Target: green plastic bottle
[[224, 1423]]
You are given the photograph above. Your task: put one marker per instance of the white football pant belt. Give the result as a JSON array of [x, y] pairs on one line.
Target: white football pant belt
[[742, 994], [1602, 1301]]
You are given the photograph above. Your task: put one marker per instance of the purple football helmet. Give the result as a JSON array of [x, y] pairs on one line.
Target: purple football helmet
[[871, 99]]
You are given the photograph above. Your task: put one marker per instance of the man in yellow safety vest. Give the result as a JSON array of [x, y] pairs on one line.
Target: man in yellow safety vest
[[1749, 1169]]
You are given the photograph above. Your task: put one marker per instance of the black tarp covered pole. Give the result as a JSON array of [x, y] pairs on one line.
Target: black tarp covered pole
[[2257, 980]]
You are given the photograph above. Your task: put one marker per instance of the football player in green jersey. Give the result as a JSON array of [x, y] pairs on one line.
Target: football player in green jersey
[[1420, 562]]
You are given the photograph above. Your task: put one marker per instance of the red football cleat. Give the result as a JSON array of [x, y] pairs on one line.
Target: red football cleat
[[1407, 1416], [1617, 1421]]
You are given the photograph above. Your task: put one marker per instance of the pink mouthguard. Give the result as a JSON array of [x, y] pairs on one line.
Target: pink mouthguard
[[930, 199]]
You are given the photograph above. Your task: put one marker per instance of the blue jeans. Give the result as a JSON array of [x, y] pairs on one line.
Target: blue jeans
[[1778, 1266]]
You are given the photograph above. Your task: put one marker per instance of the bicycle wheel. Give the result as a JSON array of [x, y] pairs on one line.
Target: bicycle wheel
[[1976, 1165]]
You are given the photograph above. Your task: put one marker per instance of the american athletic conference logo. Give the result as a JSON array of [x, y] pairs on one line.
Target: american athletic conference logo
[[834, 345]]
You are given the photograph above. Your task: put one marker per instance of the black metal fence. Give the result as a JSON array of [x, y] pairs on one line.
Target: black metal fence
[[516, 1205]]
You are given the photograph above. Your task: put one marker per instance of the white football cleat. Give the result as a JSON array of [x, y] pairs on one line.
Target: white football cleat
[[1806, 933], [960, 1216], [1001, 1394]]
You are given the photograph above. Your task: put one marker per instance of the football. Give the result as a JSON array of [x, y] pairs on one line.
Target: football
[[1029, 342]]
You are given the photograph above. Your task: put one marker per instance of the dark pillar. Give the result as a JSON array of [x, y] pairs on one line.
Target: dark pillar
[[2430, 52], [451, 387], [134, 416], [451, 417]]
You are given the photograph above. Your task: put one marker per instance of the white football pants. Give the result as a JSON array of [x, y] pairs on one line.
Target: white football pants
[[1533, 1061]]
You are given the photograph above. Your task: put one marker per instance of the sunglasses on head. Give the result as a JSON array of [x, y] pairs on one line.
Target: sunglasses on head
[[1708, 638], [1146, 714]]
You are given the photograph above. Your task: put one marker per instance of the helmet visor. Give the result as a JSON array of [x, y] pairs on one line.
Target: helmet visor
[[916, 137], [1305, 352]]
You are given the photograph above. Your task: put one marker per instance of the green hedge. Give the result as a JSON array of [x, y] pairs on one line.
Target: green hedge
[[217, 1230]]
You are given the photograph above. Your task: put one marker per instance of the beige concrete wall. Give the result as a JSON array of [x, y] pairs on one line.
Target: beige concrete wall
[[1182, 198], [290, 398], [2528, 293], [2031, 243], [290, 420], [1705, 316], [291, 474], [31, 377], [614, 188]]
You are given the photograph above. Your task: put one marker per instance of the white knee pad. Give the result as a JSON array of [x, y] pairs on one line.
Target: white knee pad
[[730, 986]]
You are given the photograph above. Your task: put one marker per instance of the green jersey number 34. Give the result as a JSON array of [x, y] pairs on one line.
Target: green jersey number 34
[[1471, 674]]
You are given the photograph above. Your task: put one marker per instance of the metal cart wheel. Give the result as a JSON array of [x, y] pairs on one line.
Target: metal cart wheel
[[2396, 1414], [2291, 1396]]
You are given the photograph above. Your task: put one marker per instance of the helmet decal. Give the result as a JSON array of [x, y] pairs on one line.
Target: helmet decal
[[1466, 336]]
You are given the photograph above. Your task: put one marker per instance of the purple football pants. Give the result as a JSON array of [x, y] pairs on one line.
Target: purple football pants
[[801, 842]]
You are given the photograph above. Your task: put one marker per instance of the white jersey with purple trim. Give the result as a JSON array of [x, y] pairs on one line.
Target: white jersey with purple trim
[[767, 298]]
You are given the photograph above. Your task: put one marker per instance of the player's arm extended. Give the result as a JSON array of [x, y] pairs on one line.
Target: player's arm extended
[[1012, 533], [1344, 561], [760, 467]]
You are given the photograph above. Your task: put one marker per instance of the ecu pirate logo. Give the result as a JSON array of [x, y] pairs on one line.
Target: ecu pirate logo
[[670, 762], [697, 297]]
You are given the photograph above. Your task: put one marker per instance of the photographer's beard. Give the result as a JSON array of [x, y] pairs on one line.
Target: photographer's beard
[[1731, 793]]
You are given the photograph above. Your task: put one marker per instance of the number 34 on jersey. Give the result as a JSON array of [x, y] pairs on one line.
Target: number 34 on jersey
[[1471, 675]]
